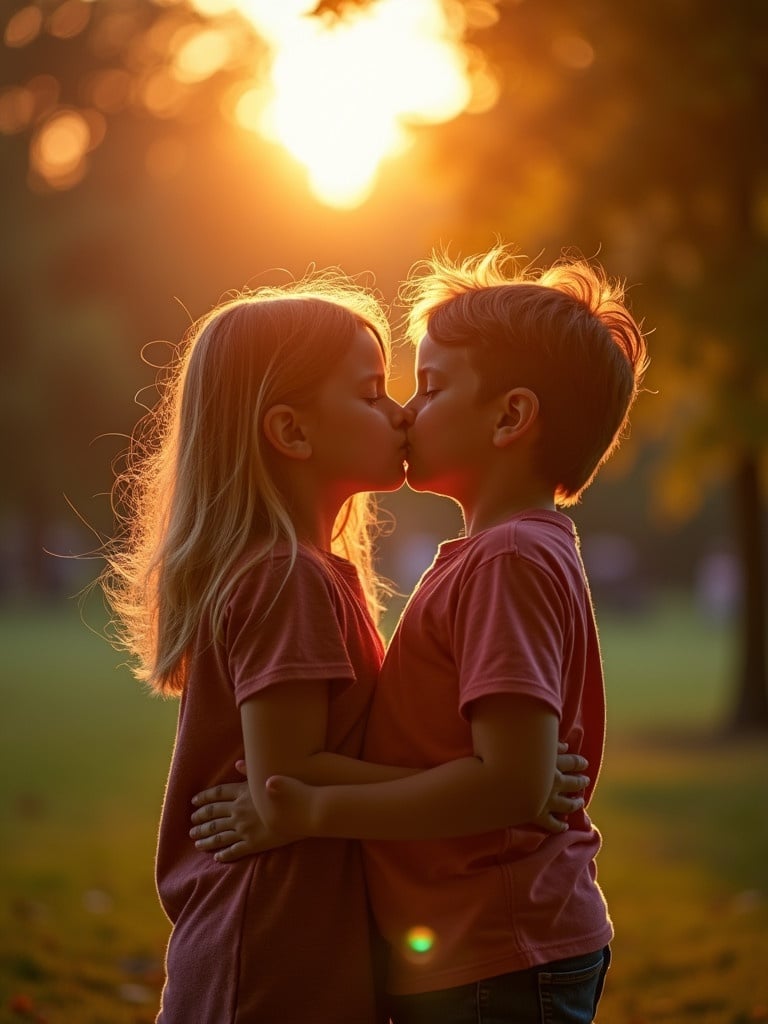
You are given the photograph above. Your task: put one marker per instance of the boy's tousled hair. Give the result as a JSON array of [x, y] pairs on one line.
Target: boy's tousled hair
[[196, 504], [565, 333]]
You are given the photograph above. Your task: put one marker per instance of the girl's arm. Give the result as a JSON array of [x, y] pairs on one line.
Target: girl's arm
[[285, 733], [506, 782]]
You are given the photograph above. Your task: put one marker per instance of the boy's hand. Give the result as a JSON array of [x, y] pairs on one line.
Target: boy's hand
[[563, 798], [227, 825], [294, 805]]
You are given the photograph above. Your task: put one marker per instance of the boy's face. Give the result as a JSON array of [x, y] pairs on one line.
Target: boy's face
[[450, 439]]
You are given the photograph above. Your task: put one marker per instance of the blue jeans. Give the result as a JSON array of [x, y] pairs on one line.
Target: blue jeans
[[562, 992]]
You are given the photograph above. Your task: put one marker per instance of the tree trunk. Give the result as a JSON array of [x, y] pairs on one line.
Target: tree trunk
[[750, 711]]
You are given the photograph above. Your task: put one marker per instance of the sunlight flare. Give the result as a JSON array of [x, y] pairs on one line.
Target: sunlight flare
[[345, 92]]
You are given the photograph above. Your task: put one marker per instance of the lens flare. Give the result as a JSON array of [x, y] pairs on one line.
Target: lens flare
[[344, 93], [419, 943]]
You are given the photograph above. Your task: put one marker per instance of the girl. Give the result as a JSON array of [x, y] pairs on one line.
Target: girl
[[242, 582]]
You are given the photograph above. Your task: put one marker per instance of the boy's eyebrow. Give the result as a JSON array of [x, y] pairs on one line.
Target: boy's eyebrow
[[430, 369]]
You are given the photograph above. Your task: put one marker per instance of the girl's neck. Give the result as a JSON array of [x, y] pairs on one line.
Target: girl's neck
[[312, 522]]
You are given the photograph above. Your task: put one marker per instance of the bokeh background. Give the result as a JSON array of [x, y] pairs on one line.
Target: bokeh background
[[156, 155]]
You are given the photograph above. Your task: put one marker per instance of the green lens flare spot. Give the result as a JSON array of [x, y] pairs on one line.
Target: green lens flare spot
[[420, 939]]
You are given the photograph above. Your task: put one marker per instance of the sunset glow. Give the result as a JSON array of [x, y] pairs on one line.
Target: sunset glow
[[341, 90], [344, 94]]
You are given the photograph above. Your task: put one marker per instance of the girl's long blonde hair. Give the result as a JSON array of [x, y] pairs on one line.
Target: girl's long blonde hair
[[196, 493]]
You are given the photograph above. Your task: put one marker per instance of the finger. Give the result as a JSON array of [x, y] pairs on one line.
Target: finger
[[226, 791], [240, 765], [210, 828], [572, 763], [554, 825], [216, 842], [561, 804], [232, 853], [561, 747], [210, 811], [573, 783], [222, 811]]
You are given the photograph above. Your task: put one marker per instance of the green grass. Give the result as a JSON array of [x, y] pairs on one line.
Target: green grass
[[83, 756], [666, 669]]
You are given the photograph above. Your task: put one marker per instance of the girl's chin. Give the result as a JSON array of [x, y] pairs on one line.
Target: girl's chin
[[393, 483]]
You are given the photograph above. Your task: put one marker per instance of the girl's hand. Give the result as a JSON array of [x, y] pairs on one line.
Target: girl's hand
[[563, 798], [227, 825]]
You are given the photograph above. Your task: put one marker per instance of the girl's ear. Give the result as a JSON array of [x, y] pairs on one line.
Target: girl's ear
[[519, 413], [285, 433]]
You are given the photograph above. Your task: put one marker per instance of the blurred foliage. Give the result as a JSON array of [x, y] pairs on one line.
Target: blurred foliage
[[636, 133]]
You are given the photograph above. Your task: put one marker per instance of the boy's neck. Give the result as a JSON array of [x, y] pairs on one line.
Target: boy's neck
[[486, 513]]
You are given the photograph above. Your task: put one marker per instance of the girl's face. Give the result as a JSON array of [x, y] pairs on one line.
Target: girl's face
[[358, 432]]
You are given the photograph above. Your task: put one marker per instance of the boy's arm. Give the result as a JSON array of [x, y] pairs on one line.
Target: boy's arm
[[506, 782]]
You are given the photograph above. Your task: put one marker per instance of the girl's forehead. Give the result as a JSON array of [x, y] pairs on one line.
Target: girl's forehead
[[367, 351]]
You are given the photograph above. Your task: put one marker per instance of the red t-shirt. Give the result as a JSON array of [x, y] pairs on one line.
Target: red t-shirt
[[282, 936], [506, 611]]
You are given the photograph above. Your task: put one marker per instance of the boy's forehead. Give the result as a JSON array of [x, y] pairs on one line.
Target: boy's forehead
[[427, 351], [430, 355]]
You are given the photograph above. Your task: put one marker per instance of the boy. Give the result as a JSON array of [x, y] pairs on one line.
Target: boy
[[524, 386]]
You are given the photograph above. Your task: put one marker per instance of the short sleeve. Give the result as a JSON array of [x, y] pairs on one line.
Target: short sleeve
[[300, 638], [510, 632]]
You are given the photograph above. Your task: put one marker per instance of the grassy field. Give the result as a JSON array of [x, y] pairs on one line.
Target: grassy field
[[83, 754]]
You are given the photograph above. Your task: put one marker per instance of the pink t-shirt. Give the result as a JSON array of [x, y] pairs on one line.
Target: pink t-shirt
[[282, 936], [506, 611]]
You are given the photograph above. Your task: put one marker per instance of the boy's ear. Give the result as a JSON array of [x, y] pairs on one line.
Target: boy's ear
[[518, 414], [283, 429]]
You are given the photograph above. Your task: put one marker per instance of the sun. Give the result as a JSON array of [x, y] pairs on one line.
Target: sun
[[346, 93]]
